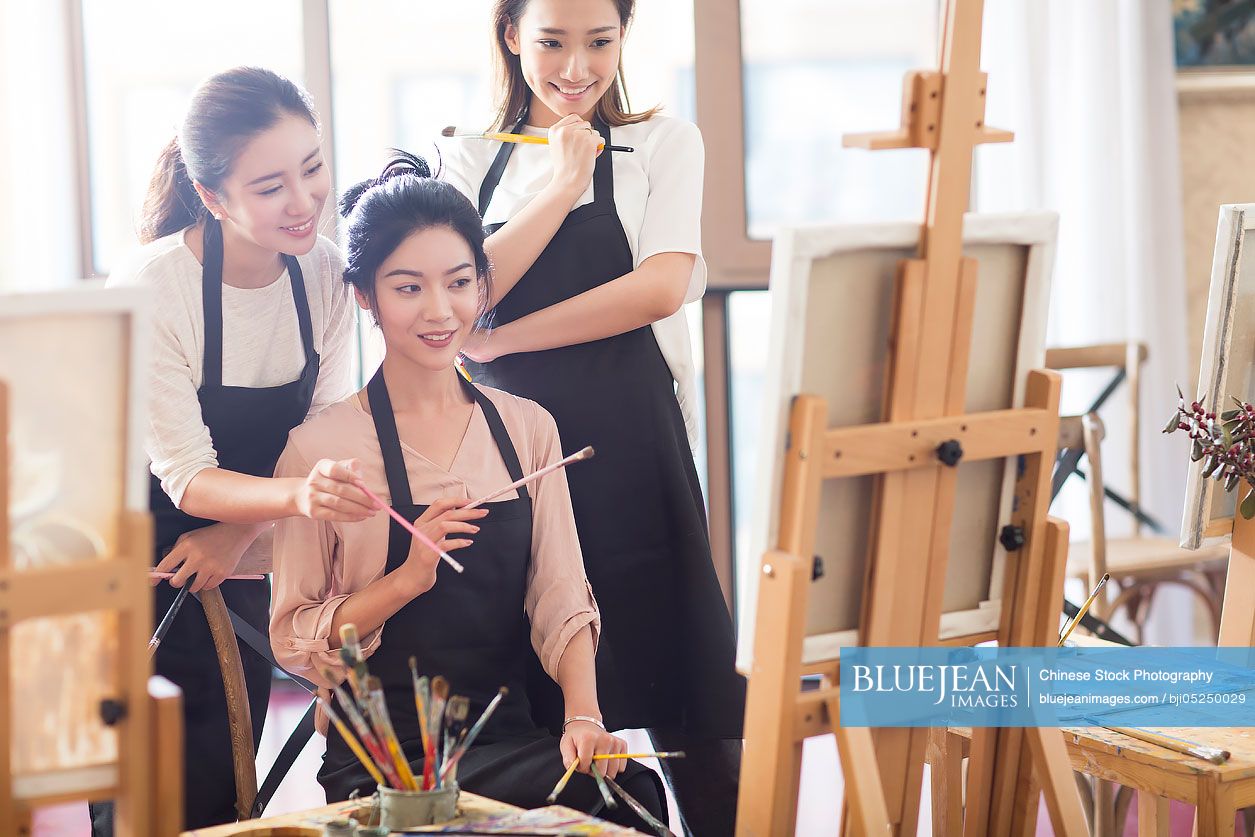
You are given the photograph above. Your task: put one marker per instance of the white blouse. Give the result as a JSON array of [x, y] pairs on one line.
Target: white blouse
[[658, 195], [261, 347]]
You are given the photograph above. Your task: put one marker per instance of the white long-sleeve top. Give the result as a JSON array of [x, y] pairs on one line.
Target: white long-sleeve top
[[261, 347]]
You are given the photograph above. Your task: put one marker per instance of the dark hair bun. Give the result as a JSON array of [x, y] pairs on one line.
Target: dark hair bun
[[401, 163]]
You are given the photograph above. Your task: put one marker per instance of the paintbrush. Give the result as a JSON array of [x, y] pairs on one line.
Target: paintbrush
[[679, 754], [377, 750], [475, 730], [641, 810], [456, 711], [352, 657], [502, 136], [168, 619], [601, 785], [379, 716], [1215, 755], [566, 777], [1076, 620], [352, 742], [578, 456], [419, 684], [435, 727], [409, 527], [155, 574]]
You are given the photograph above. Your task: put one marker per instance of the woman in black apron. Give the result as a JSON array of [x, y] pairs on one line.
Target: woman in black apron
[[206, 205], [416, 260], [576, 330]]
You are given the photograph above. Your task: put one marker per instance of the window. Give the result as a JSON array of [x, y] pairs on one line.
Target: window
[[142, 60], [813, 72]]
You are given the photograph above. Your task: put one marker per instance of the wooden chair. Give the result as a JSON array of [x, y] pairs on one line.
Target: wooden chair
[[1140, 563], [239, 714]]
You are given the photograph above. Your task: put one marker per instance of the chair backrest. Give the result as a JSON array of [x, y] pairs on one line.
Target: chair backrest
[[1126, 356], [1086, 432]]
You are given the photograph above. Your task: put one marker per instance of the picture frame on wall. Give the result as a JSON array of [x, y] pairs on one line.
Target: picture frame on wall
[[1214, 35]]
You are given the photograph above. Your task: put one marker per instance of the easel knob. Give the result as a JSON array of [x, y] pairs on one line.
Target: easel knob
[[1011, 538], [950, 452]]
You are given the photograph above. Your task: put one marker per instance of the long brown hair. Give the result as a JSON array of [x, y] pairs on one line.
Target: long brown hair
[[513, 94]]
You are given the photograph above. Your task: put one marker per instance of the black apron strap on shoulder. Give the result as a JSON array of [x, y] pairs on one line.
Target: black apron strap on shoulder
[[211, 301], [297, 280], [389, 440], [499, 434], [603, 169], [493, 177]]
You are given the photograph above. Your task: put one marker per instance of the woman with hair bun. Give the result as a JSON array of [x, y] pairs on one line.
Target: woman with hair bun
[[252, 334], [429, 441]]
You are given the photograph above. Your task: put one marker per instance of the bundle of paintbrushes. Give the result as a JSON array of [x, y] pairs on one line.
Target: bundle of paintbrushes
[[607, 785], [442, 721]]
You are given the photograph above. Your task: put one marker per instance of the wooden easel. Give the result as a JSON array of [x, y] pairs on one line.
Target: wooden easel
[[944, 113], [146, 780]]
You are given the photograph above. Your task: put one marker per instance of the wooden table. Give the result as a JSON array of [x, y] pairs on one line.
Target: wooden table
[[471, 808], [1217, 790]]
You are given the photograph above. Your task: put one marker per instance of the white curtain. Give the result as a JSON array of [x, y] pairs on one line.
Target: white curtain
[[1088, 86], [39, 245]]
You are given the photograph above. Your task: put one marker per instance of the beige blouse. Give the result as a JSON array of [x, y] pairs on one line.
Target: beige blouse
[[318, 564]]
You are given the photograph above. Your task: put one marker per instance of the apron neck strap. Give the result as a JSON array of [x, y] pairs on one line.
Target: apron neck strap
[[603, 171], [211, 302], [390, 441], [499, 435]]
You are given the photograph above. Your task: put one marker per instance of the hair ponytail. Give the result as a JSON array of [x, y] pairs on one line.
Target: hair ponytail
[[171, 203], [225, 112]]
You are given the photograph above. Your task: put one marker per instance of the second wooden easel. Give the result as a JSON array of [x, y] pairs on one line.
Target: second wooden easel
[[931, 335]]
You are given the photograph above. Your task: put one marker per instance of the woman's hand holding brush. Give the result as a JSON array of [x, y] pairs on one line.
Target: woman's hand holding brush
[[449, 526]]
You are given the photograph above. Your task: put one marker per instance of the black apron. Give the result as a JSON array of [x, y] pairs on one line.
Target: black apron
[[249, 428], [667, 651], [470, 628]]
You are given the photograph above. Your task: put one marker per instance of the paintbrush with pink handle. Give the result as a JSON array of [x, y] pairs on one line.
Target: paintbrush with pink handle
[[578, 456]]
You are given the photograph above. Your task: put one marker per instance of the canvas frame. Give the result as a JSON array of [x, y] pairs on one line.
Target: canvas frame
[[797, 348]]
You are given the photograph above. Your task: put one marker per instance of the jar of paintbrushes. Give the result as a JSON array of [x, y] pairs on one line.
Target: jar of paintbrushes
[[405, 800]]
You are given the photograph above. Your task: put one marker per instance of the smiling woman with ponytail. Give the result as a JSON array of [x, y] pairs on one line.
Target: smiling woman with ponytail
[[252, 334]]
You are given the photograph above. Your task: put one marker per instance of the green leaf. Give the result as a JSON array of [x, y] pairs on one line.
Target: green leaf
[[1196, 452], [1248, 506], [1230, 415]]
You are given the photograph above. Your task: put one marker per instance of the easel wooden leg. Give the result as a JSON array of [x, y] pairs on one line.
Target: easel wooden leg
[[166, 756], [1237, 625], [864, 794], [773, 756], [1152, 815], [945, 761], [980, 771], [1052, 766]]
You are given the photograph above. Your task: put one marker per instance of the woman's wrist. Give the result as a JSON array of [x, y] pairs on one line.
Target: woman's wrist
[[595, 720], [567, 189], [291, 491]]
